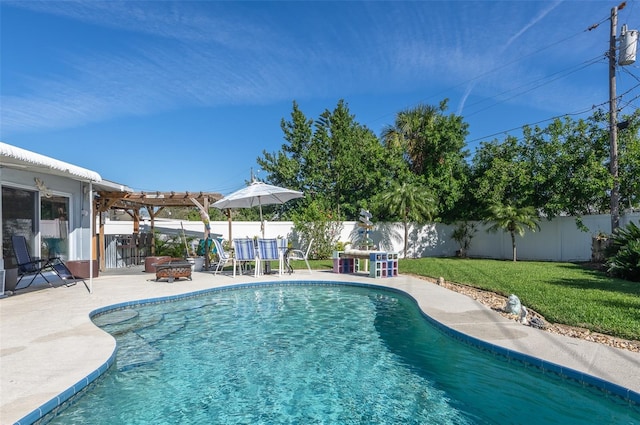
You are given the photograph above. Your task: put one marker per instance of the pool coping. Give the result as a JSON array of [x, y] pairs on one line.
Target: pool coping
[[407, 285]]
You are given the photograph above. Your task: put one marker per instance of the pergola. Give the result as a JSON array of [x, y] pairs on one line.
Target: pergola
[[153, 202]]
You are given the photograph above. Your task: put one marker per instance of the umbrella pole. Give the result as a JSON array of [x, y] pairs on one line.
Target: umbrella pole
[[229, 219], [261, 220]]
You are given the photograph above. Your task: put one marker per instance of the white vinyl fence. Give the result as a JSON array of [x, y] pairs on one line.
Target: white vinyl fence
[[559, 239]]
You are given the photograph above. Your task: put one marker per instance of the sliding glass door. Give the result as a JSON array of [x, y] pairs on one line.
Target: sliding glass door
[[42, 220], [19, 217]]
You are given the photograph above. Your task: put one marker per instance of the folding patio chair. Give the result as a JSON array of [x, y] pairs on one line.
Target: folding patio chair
[[268, 251], [28, 265], [63, 272], [245, 252], [298, 254], [224, 257]]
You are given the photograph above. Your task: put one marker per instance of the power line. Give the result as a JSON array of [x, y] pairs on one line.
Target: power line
[[597, 24], [524, 57], [589, 63], [506, 64], [632, 75], [568, 71], [618, 97], [629, 91], [543, 81], [580, 112], [628, 102]]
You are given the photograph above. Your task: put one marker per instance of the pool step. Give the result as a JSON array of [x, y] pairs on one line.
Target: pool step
[[168, 326], [111, 319], [135, 347], [135, 351], [136, 321], [137, 332]]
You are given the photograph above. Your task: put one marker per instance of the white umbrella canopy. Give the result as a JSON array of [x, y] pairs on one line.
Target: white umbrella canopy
[[257, 194]]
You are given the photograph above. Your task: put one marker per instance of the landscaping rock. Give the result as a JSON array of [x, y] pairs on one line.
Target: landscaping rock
[[496, 302]]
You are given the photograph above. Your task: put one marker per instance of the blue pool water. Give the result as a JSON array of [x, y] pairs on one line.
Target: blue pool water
[[316, 354]]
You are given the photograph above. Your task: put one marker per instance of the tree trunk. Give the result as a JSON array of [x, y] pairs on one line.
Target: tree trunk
[[513, 245], [406, 238]]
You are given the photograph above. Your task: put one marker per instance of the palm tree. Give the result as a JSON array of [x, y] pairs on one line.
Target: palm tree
[[513, 220], [410, 202], [410, 130]]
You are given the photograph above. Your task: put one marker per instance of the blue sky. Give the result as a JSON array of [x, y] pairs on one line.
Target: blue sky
[[184, 96]]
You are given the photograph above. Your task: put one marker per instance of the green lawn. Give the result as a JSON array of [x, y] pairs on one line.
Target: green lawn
[[564, 293]]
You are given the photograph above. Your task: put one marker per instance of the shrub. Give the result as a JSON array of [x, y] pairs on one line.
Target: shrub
[[463, 234], [317, 223], [624, 255], [172, 246]]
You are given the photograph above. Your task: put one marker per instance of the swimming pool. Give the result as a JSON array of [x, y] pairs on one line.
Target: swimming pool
[[316, 354]]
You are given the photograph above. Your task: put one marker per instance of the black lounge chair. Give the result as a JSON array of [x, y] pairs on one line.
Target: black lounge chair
[[28, 266]]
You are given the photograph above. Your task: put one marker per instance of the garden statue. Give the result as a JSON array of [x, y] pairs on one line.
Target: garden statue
[[366, 225], [513, 305]]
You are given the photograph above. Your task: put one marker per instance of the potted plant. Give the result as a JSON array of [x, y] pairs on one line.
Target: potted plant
[[196, 261]]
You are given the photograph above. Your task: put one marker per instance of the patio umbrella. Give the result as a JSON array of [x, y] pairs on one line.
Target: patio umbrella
[[256, 194]]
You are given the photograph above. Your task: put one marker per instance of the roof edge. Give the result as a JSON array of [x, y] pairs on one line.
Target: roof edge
[[25, 156]]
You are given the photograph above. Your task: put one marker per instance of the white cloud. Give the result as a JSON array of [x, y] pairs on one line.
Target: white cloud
[[172, 55]]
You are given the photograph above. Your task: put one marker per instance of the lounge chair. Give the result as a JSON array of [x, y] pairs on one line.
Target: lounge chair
[[298, 254], [268, 250], [224, 257], [29, 266], [63, 272], [245, 253]]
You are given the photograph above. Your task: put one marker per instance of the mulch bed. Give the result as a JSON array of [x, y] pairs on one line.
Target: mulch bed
[[497, 303]]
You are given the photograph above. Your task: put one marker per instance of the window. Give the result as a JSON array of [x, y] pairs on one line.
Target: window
[[54, 226]]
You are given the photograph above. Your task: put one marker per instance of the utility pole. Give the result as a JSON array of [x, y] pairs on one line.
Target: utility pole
[[613, 122]]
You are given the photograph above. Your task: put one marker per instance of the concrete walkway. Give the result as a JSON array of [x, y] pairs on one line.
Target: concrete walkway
[[48, 343]]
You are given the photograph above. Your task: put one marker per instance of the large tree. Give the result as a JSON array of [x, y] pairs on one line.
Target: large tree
[[629, 161], [333, 159], [433, 145], [568, 166], [288, 166], [500, 175], [560, 169]]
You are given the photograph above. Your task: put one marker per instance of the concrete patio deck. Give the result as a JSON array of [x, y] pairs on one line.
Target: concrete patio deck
[[48, 343]]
